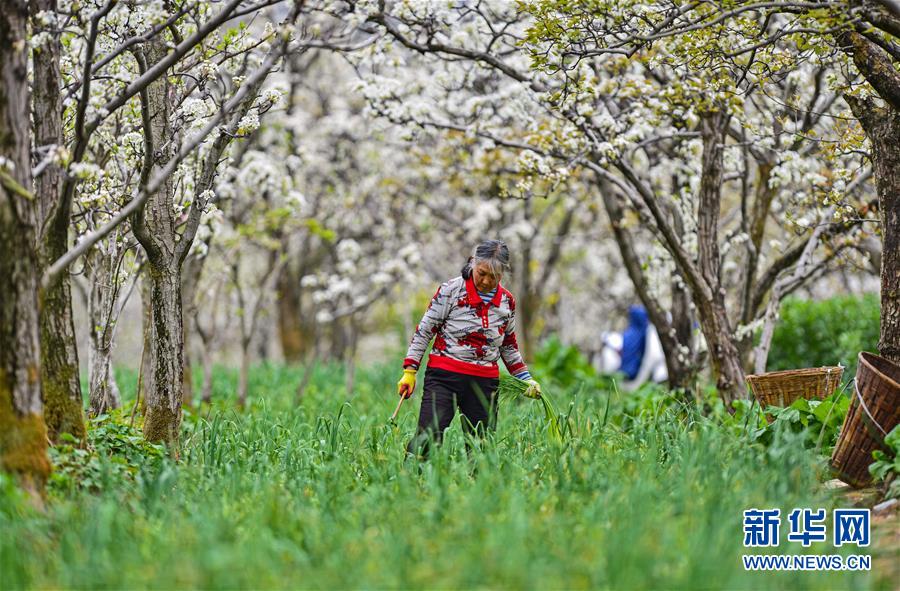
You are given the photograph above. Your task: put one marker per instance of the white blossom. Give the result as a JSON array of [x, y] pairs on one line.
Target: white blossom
[[248, 123]]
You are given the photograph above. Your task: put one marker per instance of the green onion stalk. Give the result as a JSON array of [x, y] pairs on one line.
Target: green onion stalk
[[512, 388]]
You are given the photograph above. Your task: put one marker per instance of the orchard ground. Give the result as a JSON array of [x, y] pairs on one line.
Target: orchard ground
[[646, 493]]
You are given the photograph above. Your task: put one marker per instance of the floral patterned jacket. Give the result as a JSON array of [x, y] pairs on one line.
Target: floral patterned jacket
[[470, 336]]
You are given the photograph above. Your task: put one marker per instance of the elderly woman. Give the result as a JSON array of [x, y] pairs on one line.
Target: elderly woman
[[472, 320]]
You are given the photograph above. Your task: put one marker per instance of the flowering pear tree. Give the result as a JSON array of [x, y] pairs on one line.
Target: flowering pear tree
[[683, 147], [855, 42], [110, 42], [348, 230], [156, 225], [494, 193], [507, 110], [256, 218]]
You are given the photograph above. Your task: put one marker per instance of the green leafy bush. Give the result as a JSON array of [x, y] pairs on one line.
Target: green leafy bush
[[887, 464], [564, 365], [813, 333], [747, 419], [115, 453], [818, 421]]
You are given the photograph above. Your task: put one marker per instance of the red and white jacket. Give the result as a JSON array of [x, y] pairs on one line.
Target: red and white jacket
[[469, 334]]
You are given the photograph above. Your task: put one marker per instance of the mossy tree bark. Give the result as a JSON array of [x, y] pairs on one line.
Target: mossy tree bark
[[165, 382], [23, 434], [146, 321], [63, 411], [154, 227], [59, 360], [882, 126], [886, 157]]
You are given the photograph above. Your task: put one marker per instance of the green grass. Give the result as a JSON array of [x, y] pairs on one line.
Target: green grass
[[320, 496]]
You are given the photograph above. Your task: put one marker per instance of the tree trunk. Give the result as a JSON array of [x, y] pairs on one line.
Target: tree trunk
[[761, 351], [524, 305], [885, 137], [47, 108], [23, 434], [146, 340], [154, 227], [262, 343], [207, 339], [291, 328], [207, 376], [190, 276], [102, 267], [59, 354], [724, 354], [350, 375], [296, 315], [686, 360], [681, 321], [882, 127], [105, 394], [164, 382], [338, 339], [527, 325]]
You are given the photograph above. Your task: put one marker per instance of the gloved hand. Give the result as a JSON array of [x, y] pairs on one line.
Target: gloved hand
[[407, 383], [534, 389]]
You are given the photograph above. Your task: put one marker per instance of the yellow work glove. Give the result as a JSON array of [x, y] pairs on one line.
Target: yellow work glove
[[407, 383], [534, 389]]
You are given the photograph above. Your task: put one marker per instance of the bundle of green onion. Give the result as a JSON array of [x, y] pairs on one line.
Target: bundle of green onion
[[512, 387]]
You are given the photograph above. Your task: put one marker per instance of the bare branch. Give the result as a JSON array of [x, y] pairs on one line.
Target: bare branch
[[387, 22], [132, 41], [137, 224], [208, 171], [59, 214], [892, 5]]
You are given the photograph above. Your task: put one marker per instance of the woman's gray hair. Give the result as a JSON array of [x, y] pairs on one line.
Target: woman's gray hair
[[493, 252]]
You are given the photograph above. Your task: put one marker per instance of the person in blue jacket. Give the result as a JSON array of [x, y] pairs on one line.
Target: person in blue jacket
[[634, 341]]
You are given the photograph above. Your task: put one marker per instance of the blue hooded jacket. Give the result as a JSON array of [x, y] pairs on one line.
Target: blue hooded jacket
[[633, 341]]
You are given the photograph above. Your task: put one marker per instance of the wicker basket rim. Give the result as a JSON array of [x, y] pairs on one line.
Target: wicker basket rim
[[864, 359], [826, 369]]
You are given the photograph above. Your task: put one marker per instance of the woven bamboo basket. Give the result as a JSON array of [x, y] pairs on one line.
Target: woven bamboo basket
[[782, 388], [874, 411]]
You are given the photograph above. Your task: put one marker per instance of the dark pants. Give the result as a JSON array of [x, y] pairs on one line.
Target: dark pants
[[443, 392]]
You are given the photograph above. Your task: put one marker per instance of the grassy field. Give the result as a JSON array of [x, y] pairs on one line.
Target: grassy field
[[320, 495]]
